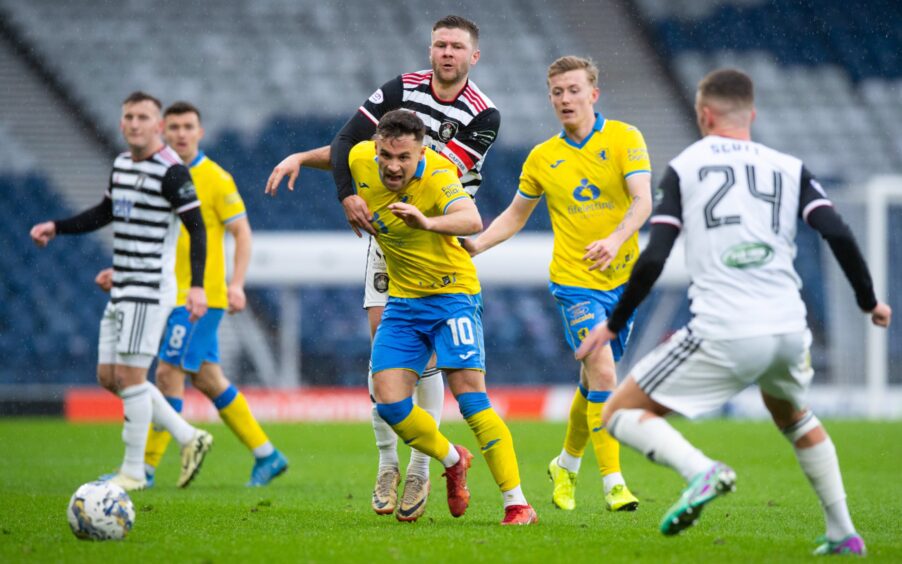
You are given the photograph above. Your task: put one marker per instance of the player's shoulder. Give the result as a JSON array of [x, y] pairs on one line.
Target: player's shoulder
[[477, 98], [213, 170], [362, 150], [438, 168], [619, 128], [546, 149], [414, 79], [169, 158]]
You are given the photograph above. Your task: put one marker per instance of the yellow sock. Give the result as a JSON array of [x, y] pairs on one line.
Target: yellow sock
[[157, 441], [607, 449], [497, 447], [419, 431], [577, 427], [235, 412]]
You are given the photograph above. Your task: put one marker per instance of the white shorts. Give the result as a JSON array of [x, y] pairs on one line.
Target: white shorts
[[130, 333], [375, 292], [693, 376]]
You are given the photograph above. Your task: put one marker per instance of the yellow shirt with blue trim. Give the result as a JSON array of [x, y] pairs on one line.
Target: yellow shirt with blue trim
[[584, 185], [420, 263], [220, 204]]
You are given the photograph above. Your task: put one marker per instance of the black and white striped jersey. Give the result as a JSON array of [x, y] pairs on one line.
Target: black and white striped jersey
[[147, 197], [737, 204], [462, 129]]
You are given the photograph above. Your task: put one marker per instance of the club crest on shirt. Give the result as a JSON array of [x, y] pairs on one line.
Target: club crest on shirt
[[380, 282], [447, 131]]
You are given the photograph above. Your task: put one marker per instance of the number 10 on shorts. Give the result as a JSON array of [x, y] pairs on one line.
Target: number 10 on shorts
[[461, 331]]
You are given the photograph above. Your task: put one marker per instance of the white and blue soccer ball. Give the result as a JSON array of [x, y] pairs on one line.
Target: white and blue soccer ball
[[100, 511]]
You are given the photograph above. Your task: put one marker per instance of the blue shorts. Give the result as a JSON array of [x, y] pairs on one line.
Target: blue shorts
[[583, 308], [412, 328], [189, 345]]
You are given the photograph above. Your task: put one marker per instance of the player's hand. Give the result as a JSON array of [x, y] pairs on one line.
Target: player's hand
[[881, 315], [602, 253], [290, 165], [42, 233], [358, 215], [469, 245], [411, 215], [598, 337], [237, 299], [104, 279], [196, 303]]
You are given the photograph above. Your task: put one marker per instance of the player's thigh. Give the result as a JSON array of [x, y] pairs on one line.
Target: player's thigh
[[106, 377], [458, 335], [466, 381], [690, 375], [582, 309], [376, 281], [203, 342], [393, 385], [130, 334], [598, 369], [629, 395], [789, 375], [176, 337], [402, 339]]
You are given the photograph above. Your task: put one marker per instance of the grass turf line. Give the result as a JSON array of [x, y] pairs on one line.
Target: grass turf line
[[319, 511]]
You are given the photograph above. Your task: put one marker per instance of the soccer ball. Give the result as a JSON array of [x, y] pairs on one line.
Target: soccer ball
[[100, 511]]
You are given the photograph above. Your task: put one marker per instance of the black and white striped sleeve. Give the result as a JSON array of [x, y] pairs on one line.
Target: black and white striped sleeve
[[669, 207]]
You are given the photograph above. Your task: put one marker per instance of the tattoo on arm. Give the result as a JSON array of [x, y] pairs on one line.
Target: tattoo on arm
[[628, 215]]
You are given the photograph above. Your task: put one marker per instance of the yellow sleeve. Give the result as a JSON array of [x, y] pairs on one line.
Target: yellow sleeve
[[633, 152], [529, 185], [450, 191], [229, 205]]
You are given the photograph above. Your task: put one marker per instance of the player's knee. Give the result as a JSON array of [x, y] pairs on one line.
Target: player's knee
[[106, 378], [169, 379], [395, 412]]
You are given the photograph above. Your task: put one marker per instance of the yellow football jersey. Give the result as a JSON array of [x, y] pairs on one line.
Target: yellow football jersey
[[585, 188], [220, 204], [420, 263]]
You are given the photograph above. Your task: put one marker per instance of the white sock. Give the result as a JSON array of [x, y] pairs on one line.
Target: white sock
[[168, 418], [386, 439], [430, 396], [611, 480], [569, 462], [821, 467], [514, 497], [264, 450], [452, 458], [138, 407], [658, 441]]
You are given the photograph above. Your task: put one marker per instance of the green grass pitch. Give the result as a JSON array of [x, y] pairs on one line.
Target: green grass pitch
[[319, 511]]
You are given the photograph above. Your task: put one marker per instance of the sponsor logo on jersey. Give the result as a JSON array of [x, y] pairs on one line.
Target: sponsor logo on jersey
[[377, 97], [748, 255], [636, 154], [122, 207], [556, 164], [586, 192], [380, 282], [447, 130], [467, 355]]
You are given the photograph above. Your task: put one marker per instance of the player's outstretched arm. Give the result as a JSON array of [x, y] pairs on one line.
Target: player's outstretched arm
[[241, 231], [89, 220], [319, 158], [505, 226], [604, 251], [460, 218]]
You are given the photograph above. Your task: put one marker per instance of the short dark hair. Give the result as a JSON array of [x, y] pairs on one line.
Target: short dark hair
[[398, 123], [141, 96], [181, 107], [730, 85], [459, 22]]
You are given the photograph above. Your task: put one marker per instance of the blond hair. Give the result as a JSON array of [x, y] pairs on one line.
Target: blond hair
[[570, 63]]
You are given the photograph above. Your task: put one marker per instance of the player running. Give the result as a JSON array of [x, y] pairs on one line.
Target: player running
[[434, 305], [737, 203], [461, 125], [596, 178], [193, 348], [149, 191]]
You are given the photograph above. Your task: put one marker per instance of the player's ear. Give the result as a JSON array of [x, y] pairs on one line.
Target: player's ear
[[200, 133], [422, 152], [474, 58], [596, 92]]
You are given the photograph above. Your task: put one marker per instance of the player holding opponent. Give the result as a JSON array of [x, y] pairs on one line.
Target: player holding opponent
[[193, 348], [461, 125], [149, 191], [737, 202], [434, 305], [596, 178]]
